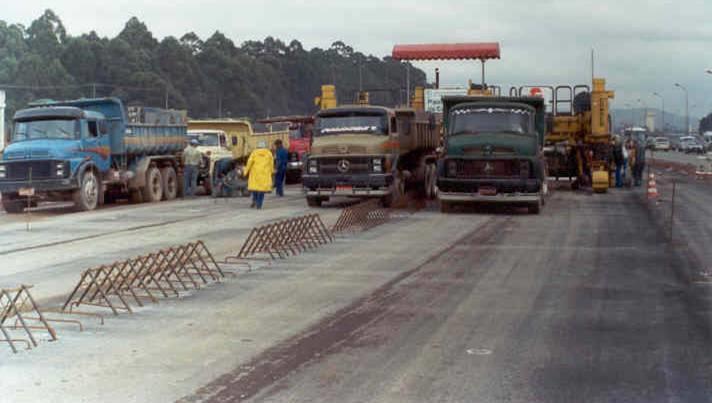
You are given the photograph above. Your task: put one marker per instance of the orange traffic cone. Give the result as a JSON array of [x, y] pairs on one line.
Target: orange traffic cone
[[652, 188]]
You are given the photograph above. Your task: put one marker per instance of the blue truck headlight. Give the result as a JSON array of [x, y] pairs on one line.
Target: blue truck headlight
[[377, 165], [60, 169], [452, 168], [3, 172]]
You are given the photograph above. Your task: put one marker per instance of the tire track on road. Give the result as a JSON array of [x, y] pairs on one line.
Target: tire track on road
[[329, 335]]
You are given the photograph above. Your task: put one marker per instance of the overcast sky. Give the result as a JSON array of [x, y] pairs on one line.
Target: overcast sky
[[642, 46]]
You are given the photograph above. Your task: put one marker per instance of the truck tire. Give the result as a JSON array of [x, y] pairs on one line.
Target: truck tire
[[13, 206], [208, 186], [86, 198], [153, 190], [535, 208], [446, 207], [170, 183], [314, 201], [431, 178], [135, 196], [396, 194]]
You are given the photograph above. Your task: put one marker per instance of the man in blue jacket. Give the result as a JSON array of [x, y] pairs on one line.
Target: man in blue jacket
[[281, 159]]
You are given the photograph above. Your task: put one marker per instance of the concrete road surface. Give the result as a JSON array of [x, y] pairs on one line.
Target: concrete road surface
[[588, 302]]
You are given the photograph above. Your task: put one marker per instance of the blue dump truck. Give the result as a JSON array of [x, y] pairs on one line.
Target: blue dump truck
[[89, 150]]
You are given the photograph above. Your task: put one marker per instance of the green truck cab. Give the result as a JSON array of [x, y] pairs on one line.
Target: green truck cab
[[493, 151]]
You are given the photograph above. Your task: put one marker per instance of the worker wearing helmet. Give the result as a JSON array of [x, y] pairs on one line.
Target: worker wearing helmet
[[259, 171]]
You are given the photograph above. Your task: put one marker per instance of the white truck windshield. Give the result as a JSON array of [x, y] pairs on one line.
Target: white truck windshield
[[206, 139], [352, 123]]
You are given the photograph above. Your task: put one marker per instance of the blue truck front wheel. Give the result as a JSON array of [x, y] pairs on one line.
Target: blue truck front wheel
[[86, 198]]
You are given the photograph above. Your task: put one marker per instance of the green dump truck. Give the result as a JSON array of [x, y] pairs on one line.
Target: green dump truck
[[493, 151]]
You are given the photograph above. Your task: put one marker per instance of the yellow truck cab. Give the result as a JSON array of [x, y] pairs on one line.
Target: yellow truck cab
[[227, 139], [368, 151]]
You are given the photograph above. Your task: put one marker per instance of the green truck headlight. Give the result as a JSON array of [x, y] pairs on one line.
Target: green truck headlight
[[524, 169], [452, 168]]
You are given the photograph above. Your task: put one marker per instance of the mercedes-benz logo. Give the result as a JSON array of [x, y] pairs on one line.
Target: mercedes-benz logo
[[343, 166], [488, 168]]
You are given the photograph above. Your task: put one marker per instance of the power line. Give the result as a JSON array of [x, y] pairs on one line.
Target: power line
[[68, 86]]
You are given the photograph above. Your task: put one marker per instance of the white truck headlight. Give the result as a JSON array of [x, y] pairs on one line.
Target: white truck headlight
[[313, 166], [377, 165], [2, 171]]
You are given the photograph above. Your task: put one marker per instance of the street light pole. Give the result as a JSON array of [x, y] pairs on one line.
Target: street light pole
[[629, 106], [662, 100], [643, 120], [687, 108]]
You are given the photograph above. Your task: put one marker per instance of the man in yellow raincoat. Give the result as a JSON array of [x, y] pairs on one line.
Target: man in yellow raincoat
[[259, 170]]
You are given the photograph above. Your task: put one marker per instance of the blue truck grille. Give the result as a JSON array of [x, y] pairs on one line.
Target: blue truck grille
[[20, 171]]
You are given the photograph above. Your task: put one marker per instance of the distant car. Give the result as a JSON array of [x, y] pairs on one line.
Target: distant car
[[650, 143], [689, 144], [661, 144], [708, 140]]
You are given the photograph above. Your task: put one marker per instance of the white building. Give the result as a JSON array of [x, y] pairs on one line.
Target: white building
[[650, 121]]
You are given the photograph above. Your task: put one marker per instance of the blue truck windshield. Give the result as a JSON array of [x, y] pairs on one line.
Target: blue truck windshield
[[490, 120], [54, 128], [352, 123]]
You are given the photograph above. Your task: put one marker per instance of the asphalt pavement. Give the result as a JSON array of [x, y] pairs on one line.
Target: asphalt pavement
[[588, 302], [591, 301]]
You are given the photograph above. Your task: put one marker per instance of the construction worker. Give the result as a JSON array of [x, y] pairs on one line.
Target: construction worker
[[281, 159], [259, 171], [191, 163], [618, 160], [639, 166]]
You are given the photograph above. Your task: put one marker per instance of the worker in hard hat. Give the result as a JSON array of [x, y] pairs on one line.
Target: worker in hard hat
[[259, 171]]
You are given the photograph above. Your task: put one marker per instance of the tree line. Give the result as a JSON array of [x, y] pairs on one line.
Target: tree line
[[210, 77]]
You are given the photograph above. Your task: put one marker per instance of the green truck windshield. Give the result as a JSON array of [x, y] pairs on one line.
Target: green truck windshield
[[54, 128], [491, 120]]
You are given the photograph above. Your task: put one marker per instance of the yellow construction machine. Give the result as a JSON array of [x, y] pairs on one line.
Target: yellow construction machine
[[578, 143]]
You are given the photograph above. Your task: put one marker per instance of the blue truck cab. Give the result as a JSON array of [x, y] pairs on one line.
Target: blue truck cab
[[83, 150]]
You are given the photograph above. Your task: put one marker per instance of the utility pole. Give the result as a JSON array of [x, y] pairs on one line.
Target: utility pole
[[360, 76], [407, 83], [662, 101], [2, 120], [687, 108]]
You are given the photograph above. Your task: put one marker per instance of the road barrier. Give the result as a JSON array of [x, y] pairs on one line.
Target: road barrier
[[161, 274], [283, 238], [20, 312], [362, 216]]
